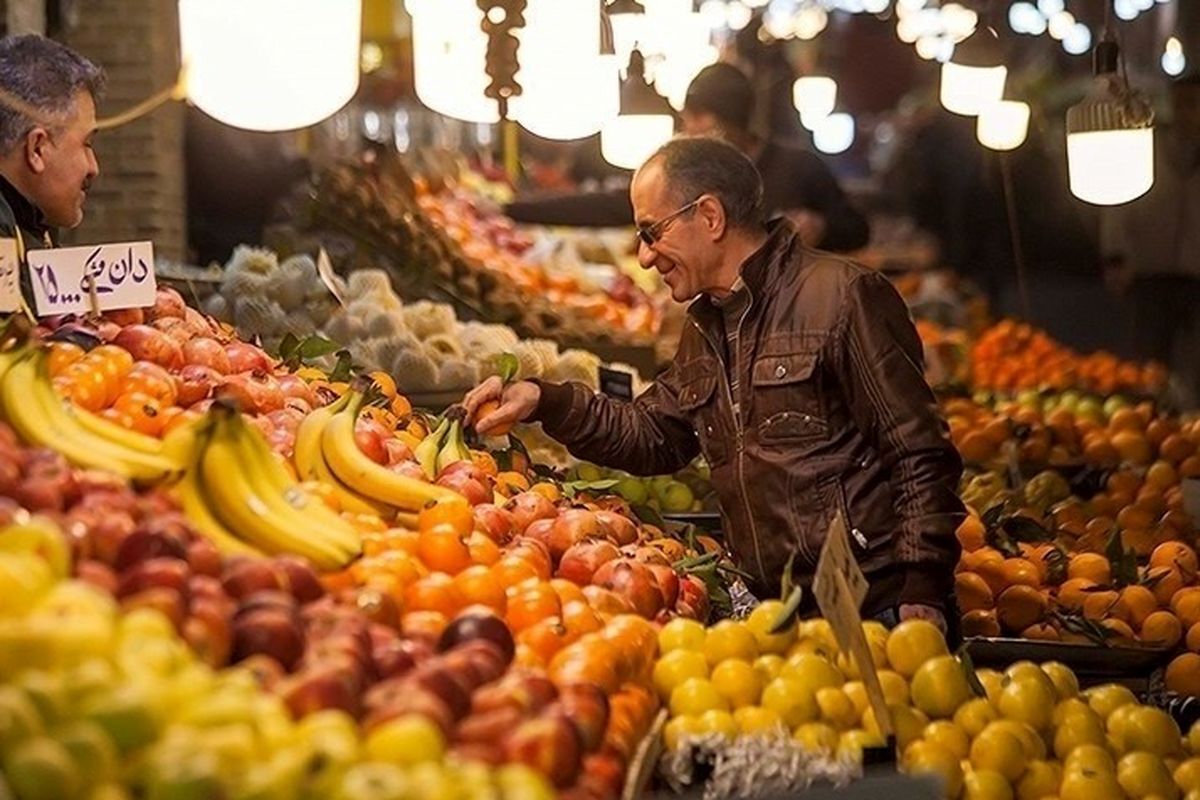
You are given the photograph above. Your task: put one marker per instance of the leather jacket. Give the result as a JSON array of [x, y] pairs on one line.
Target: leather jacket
[[832, 413]]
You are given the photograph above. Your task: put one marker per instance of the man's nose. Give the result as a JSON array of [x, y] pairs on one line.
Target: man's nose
[[646, 255], [93, 165]]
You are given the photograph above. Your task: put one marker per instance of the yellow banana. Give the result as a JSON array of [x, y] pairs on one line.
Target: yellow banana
[[275, 484], [99, 426], [362, 474], [240, 507], [426, 452], [191, 496], [41, 417], [454, 449], [311, 466]]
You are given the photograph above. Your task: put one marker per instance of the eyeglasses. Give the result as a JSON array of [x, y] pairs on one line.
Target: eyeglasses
[[651, 234]]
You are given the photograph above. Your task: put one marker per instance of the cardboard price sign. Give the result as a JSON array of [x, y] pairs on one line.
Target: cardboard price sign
[[10, 284], [106, 277], [840, 587]]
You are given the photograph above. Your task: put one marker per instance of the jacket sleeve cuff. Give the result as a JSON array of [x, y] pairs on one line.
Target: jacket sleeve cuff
[[554, 404], [928, 585]]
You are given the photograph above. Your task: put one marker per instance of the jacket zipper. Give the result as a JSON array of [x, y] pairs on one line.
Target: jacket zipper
[[736, 410]]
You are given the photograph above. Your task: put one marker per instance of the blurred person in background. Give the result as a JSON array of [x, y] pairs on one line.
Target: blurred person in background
[[46, 160], [1151, 249]]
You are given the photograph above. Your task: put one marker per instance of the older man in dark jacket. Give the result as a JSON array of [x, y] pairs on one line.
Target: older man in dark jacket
[[798, 376]]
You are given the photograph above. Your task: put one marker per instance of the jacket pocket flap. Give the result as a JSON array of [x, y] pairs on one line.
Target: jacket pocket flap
[[697, 382], [782, 369]]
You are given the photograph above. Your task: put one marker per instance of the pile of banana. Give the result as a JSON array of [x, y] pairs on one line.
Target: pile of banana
[[242, 496], [326, 451], [444, 446], [29, 402]]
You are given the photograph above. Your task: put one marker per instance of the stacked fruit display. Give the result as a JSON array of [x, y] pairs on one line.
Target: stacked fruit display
[[1027, 732]]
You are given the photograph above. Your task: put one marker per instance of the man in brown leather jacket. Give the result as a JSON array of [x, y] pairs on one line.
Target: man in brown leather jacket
[[799, 377]]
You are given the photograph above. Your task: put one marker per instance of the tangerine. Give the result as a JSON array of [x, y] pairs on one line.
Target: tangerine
[[443, 548], [972, 592], [478, 586], [1177, 555], [1019, 607], [1092, 566], [1162, 629], [1183, 675]]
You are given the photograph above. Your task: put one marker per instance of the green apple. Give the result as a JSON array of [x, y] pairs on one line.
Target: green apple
[[1114, 404], [1069, 400], [589, 472], [374, 781], [41, 537], [125, 716], [332, 734], [519, 782], [87, 679], [634, 490], [407, 739], [1091, 409], [19, 718], [91, 750], [1029, 398], [109, 791], [42, 769], [676, 498], [146, 623], [180, 776], [475, 781], [47, 691]]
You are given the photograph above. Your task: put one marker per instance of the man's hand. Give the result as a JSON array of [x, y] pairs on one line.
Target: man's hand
[[915, 611], [515, 403]]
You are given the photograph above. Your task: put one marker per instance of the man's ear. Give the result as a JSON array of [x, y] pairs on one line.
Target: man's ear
[[713, 214], [37, 142]]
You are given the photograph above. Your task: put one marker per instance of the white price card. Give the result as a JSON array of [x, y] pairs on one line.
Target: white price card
[[103, 277], [10, 274]]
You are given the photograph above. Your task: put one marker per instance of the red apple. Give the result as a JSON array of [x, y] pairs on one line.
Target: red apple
[[527, 692], [398, 697], [489, 727], [269, 631], [318, 688], [302, 580], [587, 708], [580, 562], [209, 632], [243, 578], [97, 574], [169, 573], [203, 557], [167, 600]]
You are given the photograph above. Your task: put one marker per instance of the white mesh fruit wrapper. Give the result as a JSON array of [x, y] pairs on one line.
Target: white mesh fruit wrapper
[[752, 766]]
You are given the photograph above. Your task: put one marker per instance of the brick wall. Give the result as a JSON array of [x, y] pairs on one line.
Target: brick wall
[[140, 193]]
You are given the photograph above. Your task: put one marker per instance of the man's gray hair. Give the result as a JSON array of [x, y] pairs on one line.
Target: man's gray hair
[[44, 75]]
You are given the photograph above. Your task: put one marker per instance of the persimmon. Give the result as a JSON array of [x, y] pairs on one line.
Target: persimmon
[[477, 585], [443, 548], [435, 592]]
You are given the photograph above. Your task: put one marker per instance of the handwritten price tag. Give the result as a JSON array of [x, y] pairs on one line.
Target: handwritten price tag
[[10, 285], [68, 280]]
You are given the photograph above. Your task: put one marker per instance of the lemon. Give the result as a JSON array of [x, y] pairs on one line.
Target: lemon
[[1193, 739], [812, 671], [1108, 698], [695, 696], [1187, 775], [993, 682], [681, 634], [820, 632], [729, 639], [1087, 784], [676, 667], [679, 727], [948, 735], [975, 715], [1041, 779], [1078, 729], [907, 724], [1028, 671], [1072, 706], [895, 688], [857, 694], [876, 645], [836, 708], [1028, 701], [769, 666], [940, 686], [852, 743], [1143, 774], [1093, 757], [929, 758], [738, 682], [1063, 678], [912, 643], [816, 737], [790, 701], [717, 721], [1000, 751], [760, 621], [755, 719], [1151, 730], [1035, 745], [986, 784]]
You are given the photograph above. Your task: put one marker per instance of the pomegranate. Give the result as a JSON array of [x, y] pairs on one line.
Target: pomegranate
[[397, 451], [167, 303], [494, 522], [196, 382], [206, 352], [572, 526], [693, 598], [295, 387], [409, 469], [668, 582], [145, 343], [255, 392], [528, 507], [462, 482], [125, 316], [245, 357], [370, 437], [580, 562], [620, 528], [173, 327], [633, 581]]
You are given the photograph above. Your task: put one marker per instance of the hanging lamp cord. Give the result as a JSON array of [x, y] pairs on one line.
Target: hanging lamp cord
[[178, 91]]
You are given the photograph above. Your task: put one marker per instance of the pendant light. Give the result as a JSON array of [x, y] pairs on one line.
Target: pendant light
[[1003, 125], [270, 65], [645, 123], [974, 76], [627, 18], [815, 97], [1110, 136], [449, 56]]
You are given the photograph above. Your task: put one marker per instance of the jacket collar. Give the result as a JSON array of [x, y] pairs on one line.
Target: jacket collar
[[26, 215], [762, 267]]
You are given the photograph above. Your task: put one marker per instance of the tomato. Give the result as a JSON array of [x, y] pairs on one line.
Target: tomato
[[143, 410], [150, 379], [62, 355]]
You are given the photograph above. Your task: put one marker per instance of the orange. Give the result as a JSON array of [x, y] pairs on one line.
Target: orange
[[1140, 540], [435, 592], [1162, 629], [1164, 582], [477, 585], [980, 622], [442, 548], [971, 533], [1097, 605], [1186, 603], [1175, 448], [1190, 467], [545, 638], [1133, 447], [1019, 572], [1092, 566], [976, 448], [567, 591], [1125, 419], [1183, 675], [1134, 604], [1120, 629], [1073, 592], [511, 570], [1192, 641], [1135, 516], [1018, 607], [530, 605], [425, 625], [580, 618], [972, 592], [1043, 631], [992, 572], [1162, 475], [1177, 555], [1099, 450]]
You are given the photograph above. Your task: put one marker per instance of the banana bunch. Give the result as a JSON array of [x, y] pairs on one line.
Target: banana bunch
[[41, 417], [336, 459], [243, 497], [443, 447]]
